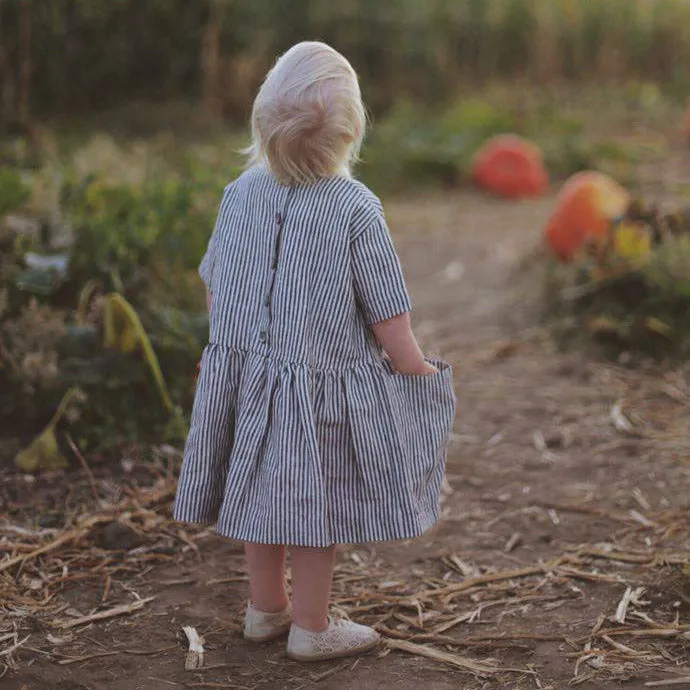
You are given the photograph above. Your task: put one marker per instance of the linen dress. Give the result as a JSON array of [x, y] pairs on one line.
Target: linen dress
[[301, 431]]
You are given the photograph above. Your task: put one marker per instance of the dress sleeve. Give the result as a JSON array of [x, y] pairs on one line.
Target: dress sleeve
[[209, 259], [206, 265], [378, 278]]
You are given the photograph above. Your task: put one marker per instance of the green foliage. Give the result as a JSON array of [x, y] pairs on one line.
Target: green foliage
[[121, 228], [144, 238], [637, 307], [417, 146], [14, 192]]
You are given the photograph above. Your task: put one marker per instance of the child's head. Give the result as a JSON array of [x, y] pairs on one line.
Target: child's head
[[308, 119]]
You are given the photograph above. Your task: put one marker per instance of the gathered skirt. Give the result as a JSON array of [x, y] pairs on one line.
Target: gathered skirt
[[279, 453]]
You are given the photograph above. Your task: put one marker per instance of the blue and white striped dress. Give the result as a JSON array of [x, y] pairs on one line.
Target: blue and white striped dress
[[301, 432]]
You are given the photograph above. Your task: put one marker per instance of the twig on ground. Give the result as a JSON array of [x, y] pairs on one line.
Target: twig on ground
[[87, 470], [478, 668], [667, 683], [123, 610]]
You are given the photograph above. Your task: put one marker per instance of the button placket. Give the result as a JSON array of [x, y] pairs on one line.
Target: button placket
[[274, 262], [266, 317]]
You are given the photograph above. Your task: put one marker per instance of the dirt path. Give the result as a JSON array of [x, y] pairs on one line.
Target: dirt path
[[540, 479]]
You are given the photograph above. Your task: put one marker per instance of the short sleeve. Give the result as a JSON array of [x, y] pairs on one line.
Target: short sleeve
[[377, 274], [206, 265], [208, 261]]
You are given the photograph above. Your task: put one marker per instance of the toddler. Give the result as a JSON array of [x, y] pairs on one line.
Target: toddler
[[317, 420]]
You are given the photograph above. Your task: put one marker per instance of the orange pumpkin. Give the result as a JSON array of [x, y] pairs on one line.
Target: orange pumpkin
[[585, 208], [510, 166]]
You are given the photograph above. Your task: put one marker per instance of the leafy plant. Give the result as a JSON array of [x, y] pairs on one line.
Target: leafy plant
[[415, 146], [633, 294], [121, 229], [14, 191]]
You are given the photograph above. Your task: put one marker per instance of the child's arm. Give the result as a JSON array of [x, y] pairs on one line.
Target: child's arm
[[382, 296], [396, 337]]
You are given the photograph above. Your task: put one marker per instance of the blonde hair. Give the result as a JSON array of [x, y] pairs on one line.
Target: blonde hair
[[308, 119]]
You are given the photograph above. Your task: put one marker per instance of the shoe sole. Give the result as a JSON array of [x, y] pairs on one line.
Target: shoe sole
[[335, 655]]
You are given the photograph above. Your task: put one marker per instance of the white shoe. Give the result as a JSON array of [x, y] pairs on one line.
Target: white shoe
[[263, 627], [341, 638]]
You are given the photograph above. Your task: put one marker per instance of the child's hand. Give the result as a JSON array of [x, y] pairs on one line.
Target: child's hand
[[424, 369], [429, 369]]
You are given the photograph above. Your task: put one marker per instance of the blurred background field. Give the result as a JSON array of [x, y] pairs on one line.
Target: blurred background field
[[66, 56], [121, 123]]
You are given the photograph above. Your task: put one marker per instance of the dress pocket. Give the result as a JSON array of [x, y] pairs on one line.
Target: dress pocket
[[427, 408]]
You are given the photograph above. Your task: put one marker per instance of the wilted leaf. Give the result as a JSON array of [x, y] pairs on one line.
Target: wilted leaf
[[43, 453], [657, 326], [124, 331], [119, 324]]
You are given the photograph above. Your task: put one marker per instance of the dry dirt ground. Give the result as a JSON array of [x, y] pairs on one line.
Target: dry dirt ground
[[555, 507]]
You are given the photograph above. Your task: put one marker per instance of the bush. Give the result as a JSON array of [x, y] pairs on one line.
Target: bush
[[122, 229], [144, 240], [623, 305], [415, 146], [14, 191]]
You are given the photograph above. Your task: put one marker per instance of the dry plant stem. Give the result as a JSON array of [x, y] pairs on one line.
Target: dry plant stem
[[75, 534], [480, 669], [668, 683], [497, 577], [72, 535], [218, 686], [75, 660], [587, 510], [318, 677], [86, 657], [516, 636], [463, 642], [86, 468], [465, 663], [110, 613], [14, 647]]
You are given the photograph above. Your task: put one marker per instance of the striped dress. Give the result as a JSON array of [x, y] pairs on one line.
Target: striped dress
[[301, 431]]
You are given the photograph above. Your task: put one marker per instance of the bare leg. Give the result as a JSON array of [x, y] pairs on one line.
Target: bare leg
[[312, 572], [266, 565]]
